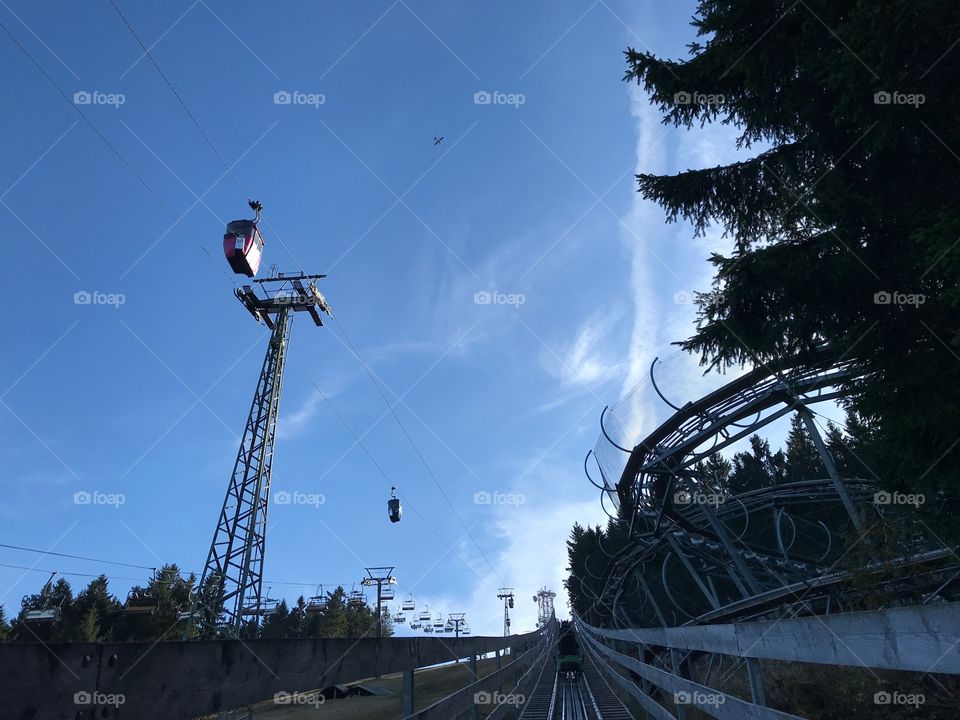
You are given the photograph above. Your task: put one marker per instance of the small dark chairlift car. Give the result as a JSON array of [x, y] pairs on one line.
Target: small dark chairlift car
[[394, 508]]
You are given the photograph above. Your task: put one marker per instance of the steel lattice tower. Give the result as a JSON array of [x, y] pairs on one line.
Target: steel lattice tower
[[237, 551], [506, 594], [544, 600]]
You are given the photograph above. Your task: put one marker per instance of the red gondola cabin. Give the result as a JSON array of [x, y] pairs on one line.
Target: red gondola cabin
[[243, 244]]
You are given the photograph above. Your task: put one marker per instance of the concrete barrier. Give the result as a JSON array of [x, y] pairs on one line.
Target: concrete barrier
[[185, 680]]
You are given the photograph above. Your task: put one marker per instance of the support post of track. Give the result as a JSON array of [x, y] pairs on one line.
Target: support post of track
[[756, 682], [474, 714], [711, 598], [721, 532], [829, 464], [407, 700]]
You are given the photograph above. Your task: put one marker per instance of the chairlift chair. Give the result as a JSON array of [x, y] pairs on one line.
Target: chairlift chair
[[386, 593], [140, 602], [408, 605], [318, 602], [51, 614], [400, 618], [425, 616], [356, 599], [47, 612]]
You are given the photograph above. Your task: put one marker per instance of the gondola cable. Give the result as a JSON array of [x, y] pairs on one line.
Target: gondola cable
[[196, 124], [109, 144]]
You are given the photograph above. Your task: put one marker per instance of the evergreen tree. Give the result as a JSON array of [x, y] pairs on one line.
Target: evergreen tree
[[854, 201], [4, 627], [277, 625], [92, 615], [754, 469], [802, 459]]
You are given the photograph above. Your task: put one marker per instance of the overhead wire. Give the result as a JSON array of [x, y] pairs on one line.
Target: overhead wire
[[77, 557], [119, 563], [108, 143], [240, 186], [166, 79], [416, 450], [61, 572], [236, 180], [196, 124], [383, 472]]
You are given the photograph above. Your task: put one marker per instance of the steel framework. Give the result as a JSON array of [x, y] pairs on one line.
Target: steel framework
[[506, 594], [544, 600], [379, 576], [235, 561], [694, 554]]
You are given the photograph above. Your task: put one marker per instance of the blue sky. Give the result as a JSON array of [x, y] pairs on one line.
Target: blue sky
[[147, 399]]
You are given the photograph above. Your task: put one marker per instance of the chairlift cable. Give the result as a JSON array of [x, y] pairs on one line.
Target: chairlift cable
[[77, 557], [383, 472], [396, 417]]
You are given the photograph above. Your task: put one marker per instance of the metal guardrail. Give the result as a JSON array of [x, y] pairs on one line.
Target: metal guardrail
[[920, 639], [714, 702], [463, 703], [527, 682]]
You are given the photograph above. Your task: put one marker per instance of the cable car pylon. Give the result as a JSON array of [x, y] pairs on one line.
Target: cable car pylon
[[231, 585]]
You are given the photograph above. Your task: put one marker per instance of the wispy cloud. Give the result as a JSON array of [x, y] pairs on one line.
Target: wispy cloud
[[589, 358]]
